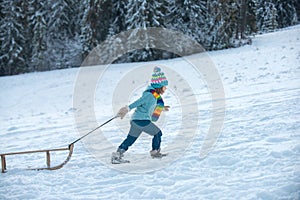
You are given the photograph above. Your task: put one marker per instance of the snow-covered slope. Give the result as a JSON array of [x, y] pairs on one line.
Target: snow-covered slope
[[257, 155]]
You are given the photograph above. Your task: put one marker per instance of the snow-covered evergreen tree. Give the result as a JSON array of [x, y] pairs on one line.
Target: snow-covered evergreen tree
[[38, 25], [286, 13], [251, 25], [92, 27], [95, 23], [114, 45], [297, 6], [142, 14], [86, 29], [119, 10], [12, 38], [61, 46], [187, 17], [190, 18], [267, 16], [112, 48], [222, 24], [57, 33], [246, 21]]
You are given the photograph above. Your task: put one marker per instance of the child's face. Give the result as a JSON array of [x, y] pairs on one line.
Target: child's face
[[164, 88]]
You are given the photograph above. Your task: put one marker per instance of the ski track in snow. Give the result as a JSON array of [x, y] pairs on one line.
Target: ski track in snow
[[257, 155]]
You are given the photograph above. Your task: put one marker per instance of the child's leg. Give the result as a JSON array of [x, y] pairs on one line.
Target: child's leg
[[151, 129], [127, 143], [133, 134], [156, 141]]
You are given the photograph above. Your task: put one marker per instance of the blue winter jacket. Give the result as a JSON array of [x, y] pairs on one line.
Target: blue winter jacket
[[144, 106]]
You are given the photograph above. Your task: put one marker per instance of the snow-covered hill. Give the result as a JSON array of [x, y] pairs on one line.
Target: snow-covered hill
[[257, 155]]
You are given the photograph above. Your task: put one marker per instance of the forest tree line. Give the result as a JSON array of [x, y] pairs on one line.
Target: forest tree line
[[39, 35]]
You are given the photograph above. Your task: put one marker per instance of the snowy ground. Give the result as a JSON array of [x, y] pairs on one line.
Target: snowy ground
[[257, 155]]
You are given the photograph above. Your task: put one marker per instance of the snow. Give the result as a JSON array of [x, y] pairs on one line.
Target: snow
[[257, 155]]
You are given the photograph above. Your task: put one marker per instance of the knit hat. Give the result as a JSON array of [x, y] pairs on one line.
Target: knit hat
[[158, 79]]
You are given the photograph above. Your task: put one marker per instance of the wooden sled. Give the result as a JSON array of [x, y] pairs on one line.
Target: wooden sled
[[70, 149], [49, 167]]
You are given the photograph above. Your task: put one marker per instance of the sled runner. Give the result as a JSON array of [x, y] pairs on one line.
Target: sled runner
[[48, 161]]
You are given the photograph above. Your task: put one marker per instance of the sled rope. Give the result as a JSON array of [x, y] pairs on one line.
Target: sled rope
[[93, 130], [47, 151]]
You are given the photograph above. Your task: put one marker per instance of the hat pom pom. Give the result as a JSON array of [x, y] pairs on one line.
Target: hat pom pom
[[156, 69]]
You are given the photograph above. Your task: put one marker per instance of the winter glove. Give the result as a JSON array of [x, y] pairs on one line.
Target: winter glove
[[123, 111], [166, 108]]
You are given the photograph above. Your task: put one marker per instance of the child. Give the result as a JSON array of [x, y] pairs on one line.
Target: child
[[148, 109]]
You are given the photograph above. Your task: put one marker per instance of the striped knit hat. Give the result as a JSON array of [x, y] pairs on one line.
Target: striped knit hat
[[158, 79]]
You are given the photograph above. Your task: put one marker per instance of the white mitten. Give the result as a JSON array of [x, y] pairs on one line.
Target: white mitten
[[166, 108], [123, 111]]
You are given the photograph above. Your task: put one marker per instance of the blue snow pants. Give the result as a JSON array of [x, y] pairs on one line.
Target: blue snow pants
[[139, 126]]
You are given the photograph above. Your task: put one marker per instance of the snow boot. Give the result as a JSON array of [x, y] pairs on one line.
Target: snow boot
[[116, 157], [157, 154]]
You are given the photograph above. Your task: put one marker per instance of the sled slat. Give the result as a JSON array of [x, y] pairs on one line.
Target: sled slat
[[35, 151]]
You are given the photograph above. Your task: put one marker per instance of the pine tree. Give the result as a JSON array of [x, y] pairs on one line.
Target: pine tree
[[251, 25], [246, 22], [113, 46], [86, 29], [137, 17], [297, 6], [38, 25], [119, 11], [192, 16], [267, 16], [286, 13], [189, 18], [95, 23], [142, 14], [11, 38], [61, 45], [222, 24], [243, 9], [57, 33], [89, 22], [74, 14], [74, 45], [112, 49]]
